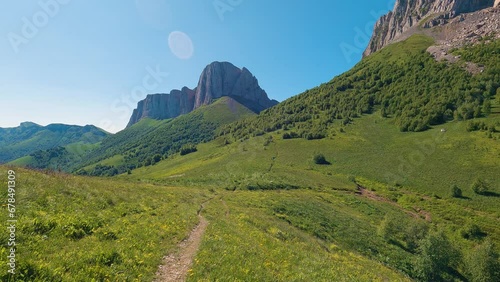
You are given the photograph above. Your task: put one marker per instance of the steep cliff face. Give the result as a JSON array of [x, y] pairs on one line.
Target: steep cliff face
[[219, 79], [224, 79], [408, 13], [164, 106]]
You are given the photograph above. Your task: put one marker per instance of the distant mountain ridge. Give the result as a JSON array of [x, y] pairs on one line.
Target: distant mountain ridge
[[218, 79], [407, 15], [29, 137]]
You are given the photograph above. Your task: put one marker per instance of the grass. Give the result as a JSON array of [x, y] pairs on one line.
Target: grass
[[415, 43], [23, 161], [262, 236], [413, 172], [89, 229], [304, 221], [371, 148]]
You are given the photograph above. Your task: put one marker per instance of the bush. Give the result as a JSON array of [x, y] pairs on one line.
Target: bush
[[187, 149], [320, 159], [436, 257], [471, 231], [156, 158], [456, 192], [480, 187], [290, 135], [482, 264]]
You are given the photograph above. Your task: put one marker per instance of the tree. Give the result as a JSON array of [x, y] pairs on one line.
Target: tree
[[487, 107], [436, 257], [414, 232], [156, 158], [479, 187], [456, 192], [482, 263], [187, 149], [320, 159]]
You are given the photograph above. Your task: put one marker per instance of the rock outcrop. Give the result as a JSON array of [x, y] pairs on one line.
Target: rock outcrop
[[164, 106], [408, 14], [219, 79]]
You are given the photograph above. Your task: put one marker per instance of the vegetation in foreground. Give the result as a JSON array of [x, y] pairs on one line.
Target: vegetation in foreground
[[89, 229]]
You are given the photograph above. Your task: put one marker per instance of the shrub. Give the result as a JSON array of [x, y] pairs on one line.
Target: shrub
[[480, 187], [436, 255], [456, 192], [187, 149], [156, 158], [471, 231], [482, 263], [389, 228], [290, 135], [414, 233], [320, 159]]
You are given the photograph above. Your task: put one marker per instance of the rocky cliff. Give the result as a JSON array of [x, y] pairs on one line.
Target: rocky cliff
[[164, 106], [219, 79], [408, 14]]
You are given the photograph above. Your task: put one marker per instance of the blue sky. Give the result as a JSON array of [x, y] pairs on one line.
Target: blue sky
[[90, 62]]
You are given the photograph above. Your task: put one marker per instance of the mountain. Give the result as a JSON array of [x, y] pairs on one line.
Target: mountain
[[150, 140], [407, 17], [30, 137], [218, 79]]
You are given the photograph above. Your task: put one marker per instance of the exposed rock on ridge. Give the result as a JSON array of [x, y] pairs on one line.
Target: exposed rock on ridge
[[164, 106], [217, 80], [407, 14]]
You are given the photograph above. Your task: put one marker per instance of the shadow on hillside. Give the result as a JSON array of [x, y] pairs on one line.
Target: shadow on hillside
[[490, 194]]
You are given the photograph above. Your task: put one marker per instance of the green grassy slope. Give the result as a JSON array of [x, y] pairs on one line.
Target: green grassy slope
[[410, 171], [402, 80], [64, 158], [271, 182], [139, 144], [73, 228], [293, 236], [79, 228], [29, 137]]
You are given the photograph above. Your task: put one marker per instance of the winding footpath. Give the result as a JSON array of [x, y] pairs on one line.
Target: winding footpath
[[175, 266]]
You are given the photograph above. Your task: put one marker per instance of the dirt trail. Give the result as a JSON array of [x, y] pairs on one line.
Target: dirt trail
[[175, 266]]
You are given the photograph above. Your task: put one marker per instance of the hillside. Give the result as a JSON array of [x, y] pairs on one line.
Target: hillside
[[374, 165], [403, 81], [149, 141], [118, 230], [29, 138]]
